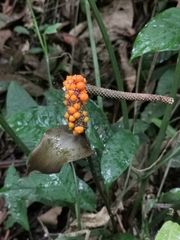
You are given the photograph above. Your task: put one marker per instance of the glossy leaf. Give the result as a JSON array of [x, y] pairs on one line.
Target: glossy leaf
[[153, 110], [31, 123], [116, 157], [57, 147], [165, 81], [18, 99], [173, 196], [169, 231], [54, 190], [98, 130], [159, 34]]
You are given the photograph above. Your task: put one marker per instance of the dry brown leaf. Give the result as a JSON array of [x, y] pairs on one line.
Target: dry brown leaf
[[3, 210], [129, 72], [4, 35], [6, 7], [91, 220], [10, 61], [30, 87], [51, 216]]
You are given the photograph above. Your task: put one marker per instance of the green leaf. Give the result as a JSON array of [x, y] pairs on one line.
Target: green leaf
[[99, 130], [123, 236], [139, 126], [21, 29], [18, 99], [116, 157], [160, 34], [165, 81], [169, 231], [54, 189], [16, 205], [31, 123], [35, 50], [52, 29], [173, 196], [153, 110], [170, 130]]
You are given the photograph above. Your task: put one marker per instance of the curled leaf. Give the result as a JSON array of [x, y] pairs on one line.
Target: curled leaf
[[57, 147]]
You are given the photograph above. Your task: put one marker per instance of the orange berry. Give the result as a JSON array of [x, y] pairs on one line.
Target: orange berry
[[73, 98], [75, 133], [72, 86], [83, 96], [65, 102], [67, 86], [70, 92], [80, 85], [71, 125], [84, 113], [84, 103], [86, 119], [64, 83], [77, 115], [77, 106], [72, 119], [79, 129], [67, 120], [71, 110], [79, 78], [66, 115], [67, 96]]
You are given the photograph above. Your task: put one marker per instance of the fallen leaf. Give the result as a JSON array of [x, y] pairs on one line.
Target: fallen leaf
[[91, 220], [129, 72], [6, 7], [4, 36], [30, 87], [51, 216]]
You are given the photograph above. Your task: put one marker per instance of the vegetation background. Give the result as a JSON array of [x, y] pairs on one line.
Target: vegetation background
[[119, 180]]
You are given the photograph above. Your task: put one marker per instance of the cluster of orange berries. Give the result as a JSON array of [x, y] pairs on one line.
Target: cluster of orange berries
[[76, 97]]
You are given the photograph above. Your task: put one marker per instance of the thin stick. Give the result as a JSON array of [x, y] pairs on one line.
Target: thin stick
[[104, 92], [106, 203]]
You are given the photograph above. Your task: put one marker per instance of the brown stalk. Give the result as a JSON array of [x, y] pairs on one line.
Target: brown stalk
[[104, 92]]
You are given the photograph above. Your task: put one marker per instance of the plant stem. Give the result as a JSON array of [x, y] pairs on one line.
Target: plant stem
[[43, 43], [13, 135], [104, 197], [77, 205], [113, 60], [94, 53], [159, 138]]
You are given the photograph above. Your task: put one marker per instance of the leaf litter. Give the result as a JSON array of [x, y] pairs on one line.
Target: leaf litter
[[22, 61]]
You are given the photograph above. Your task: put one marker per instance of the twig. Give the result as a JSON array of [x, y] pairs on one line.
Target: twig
[[96, 180], [104, 92]]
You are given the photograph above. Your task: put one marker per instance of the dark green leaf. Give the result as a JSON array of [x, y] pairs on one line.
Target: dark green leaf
[[35, 50], [170, 130], [165, 81], [54, 189], [31, 123], [99, 130], [160, 34], [153, 110], [52, 29], [116, 157], [18, 99], [123, 236], [139, 126], [173, 196], [21, 29], [169, 231], [15, 204]]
